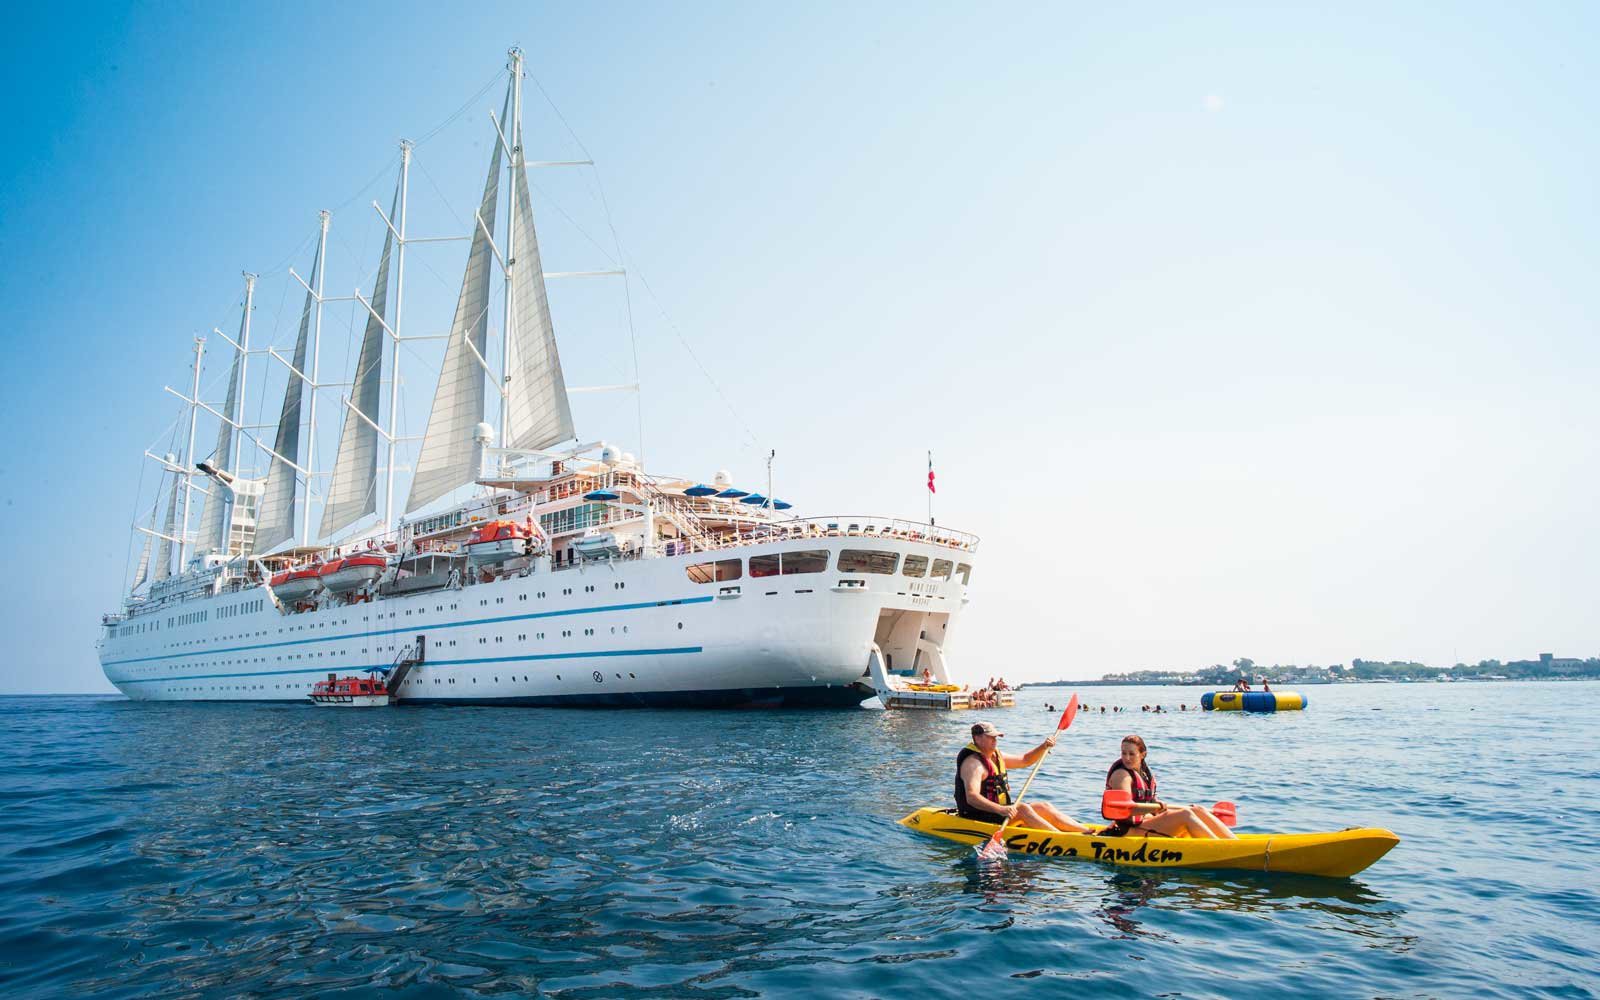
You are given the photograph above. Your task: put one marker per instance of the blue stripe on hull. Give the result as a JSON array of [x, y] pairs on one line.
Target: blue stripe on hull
[[769, 698]]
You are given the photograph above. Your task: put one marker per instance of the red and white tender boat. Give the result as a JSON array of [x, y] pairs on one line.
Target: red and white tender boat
[[341, 576], [350, 692], [497, 542], [297, 584]]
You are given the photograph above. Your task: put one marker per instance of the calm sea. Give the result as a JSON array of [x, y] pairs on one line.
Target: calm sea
[[287, 851]]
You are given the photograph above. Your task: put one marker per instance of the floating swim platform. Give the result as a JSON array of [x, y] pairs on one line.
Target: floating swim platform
[[1253, 701], [1330, 855]]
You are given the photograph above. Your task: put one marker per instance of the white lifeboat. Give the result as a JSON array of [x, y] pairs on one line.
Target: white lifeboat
[[600, 545]]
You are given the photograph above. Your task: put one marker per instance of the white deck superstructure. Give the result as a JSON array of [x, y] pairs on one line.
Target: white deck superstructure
[[605, 585]]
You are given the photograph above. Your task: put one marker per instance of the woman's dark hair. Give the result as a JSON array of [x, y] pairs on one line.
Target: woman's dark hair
[[1144, 763]]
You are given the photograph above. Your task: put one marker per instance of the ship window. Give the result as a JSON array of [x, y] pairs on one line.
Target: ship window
[[965, 572], [916, 566], [809, 561], [867, 561], [722, 569], [942, 568], [764, 565]]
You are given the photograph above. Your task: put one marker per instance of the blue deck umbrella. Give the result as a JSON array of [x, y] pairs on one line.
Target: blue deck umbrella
[[600, 495], [700, 491], [731, 494], [754, 499]]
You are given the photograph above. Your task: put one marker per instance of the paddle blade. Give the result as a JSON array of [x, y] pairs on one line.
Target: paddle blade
[[1116, 803], [1066, 717], [1226, 812], [992, 849]]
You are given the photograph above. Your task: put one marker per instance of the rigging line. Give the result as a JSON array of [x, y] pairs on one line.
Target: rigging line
[[642, 280], [498, 76], [671, 325], [416, 161]]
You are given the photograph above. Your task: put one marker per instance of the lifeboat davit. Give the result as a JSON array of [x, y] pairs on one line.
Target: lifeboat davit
[[350, 692], [341, 576], [297, 584], [497, 542]]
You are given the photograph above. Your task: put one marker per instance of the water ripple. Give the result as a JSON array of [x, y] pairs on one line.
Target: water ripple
[[282, 851]]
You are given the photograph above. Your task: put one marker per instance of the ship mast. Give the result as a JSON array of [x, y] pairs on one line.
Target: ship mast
[[394, 367], [237, 417], [188, 455], [316, 351], [511, 249]]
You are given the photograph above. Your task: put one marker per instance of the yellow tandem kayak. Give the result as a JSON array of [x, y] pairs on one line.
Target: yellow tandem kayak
[[1334, 855]]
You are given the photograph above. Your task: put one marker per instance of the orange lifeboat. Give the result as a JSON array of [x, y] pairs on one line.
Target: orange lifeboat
[[297, 584], [341, 576], [497, 542]]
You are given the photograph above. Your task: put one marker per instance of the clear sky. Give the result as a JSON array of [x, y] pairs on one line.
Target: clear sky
[[1235, 331]]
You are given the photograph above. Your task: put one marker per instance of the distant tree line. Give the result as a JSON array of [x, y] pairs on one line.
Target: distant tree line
[[1546, 667]]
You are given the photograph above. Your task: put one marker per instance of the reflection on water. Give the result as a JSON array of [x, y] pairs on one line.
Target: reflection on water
[[1359, 909]]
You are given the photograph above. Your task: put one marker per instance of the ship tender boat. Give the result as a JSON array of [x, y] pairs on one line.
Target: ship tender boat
[[536, 566], [350, 692]]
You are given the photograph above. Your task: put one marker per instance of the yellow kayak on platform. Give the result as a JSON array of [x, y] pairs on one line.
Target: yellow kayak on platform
[[1334, 855]]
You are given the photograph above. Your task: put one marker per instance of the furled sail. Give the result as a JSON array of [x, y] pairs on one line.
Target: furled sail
[[353, 493], [449, 456], [168, 531], [143, 572], [540, 413], [214, 521], [275, 524]]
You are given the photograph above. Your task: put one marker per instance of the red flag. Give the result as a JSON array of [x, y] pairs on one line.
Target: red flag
[[930, 473]]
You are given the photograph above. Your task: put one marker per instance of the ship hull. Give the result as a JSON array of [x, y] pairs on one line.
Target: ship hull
[[632, 633]]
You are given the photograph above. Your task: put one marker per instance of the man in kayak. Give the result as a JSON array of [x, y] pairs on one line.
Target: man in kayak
[[983, 792]]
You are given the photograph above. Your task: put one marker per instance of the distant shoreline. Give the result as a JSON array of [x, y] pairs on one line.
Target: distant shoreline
[[1286, 684]]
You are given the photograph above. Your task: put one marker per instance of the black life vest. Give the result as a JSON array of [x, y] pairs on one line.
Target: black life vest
[[994, 787], [1144, 790]]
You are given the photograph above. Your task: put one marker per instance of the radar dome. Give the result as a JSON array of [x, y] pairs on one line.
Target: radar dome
[[610, 455], [723, 478], [483, 433]]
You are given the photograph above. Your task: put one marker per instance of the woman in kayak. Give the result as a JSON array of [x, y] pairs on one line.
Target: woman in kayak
[[1130, 773], [983, 791]]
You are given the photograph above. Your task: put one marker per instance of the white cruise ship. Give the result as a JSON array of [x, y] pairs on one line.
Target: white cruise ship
[[524, 566]]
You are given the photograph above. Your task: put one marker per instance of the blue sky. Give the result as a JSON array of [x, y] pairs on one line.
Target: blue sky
[[1244, 331]]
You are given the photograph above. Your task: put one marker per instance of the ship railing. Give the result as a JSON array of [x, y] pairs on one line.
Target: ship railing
[[837, 526]]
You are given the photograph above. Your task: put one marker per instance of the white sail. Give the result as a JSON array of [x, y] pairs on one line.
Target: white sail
[[275, 523], [449, 456], [540, 413], [143, 572], [214, 521], [168, 530], [353, 493]]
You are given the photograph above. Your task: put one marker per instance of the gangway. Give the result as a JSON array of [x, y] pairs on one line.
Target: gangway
[[410, 656]]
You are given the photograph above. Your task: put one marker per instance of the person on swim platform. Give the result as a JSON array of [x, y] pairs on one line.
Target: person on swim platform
[[1130, 773], [983, 791]]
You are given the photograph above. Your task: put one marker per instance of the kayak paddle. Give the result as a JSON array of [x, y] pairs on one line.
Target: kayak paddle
[[994, 847], [1117, 803]]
